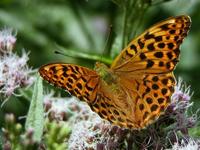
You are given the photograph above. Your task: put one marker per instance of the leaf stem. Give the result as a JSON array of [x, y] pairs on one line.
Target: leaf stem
[[83, 55], [81, 21], [124, 36]]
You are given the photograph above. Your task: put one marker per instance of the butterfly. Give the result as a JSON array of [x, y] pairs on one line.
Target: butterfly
[[136, 89]]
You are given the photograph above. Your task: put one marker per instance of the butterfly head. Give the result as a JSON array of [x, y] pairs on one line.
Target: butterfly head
[[43, 71]]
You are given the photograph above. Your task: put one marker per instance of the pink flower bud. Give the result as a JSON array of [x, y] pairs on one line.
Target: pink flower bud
[[7, 41]]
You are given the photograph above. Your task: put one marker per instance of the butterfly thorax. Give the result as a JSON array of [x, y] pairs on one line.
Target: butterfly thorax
[[115, 94], [105, 73]]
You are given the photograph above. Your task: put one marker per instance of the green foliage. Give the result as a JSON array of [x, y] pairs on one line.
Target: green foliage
[[35, 117], [1, 140], [56, 135], [14, 136], [195, 132]]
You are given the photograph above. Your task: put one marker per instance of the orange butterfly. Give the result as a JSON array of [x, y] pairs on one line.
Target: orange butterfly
[[136, 89]]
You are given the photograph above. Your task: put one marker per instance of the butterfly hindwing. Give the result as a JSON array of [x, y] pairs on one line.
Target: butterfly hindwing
[[155, 92]]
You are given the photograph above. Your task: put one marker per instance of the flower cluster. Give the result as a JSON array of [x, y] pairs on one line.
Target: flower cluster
[[7, 41], [15, 138], [180, 102], [14, 71], [61, 109], [95, 133], [186, 145], [181, 97]]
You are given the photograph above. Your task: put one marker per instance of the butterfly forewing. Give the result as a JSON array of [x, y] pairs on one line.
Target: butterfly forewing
[[156, 50], [79, 81]]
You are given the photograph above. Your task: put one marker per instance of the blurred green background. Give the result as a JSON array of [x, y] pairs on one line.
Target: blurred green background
[[83, 26]]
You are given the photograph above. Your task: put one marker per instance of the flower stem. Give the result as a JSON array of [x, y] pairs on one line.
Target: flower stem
[[83, 55], [124, 38]]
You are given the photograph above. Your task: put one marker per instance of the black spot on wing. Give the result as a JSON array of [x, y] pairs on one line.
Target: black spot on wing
[[158, 54], [165, 27], [140, 44], [148, 36], [158, 38], [161, 45], [150, 63], [133, 47], [151, 47], [142, 56]]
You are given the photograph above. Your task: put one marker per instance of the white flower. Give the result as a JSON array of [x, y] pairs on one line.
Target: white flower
[[84, 122], [182, 95], [189, 145], [7, 40], [83, 134], [14, 73], [61, 108], [90, 127]]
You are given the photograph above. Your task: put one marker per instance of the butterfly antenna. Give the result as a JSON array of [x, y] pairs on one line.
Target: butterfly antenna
[[58, 52]]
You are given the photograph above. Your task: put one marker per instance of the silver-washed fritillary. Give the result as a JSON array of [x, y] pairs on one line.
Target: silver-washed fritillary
[[136, 89]]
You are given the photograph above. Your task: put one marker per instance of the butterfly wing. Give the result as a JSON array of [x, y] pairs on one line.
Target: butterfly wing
[[82, 83], [145, 68], [148, 98], [156, 50], [79, 81]]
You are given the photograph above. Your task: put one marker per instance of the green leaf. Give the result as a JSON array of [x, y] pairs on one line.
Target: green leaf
[[1, 140], [119, 2], [35, 117], [195, 131]]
